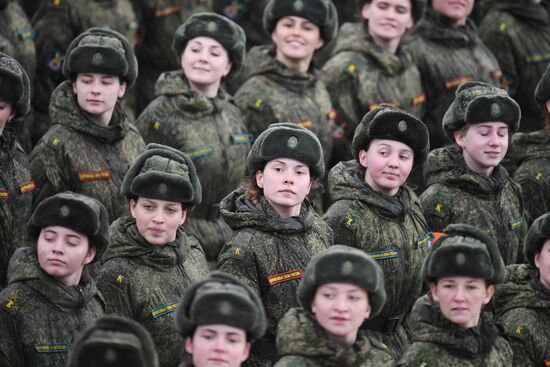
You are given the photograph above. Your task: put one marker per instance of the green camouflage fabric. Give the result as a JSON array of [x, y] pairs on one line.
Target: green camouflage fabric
[[522, 304], [57, 23], [270, 254], [16, 187], [145, 283], [532, 154], [81, 156], [518, 34], [276, 93], [40, 317], [392, 230], [439, 342], [361, 75], [446, 57], [302, 342], [456, 194], [211, 132]]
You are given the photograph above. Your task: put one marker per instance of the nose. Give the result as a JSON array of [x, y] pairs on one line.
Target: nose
[[158, 217], [95, 89], [341, 305], [393, 160], [459, 294], [58, 246], [219, 345], [494, 139], [289, 178]]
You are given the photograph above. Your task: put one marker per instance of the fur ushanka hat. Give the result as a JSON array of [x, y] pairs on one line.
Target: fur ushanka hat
[[542, 91], [464, 250], [537, 235], [14, 85], [343, 264]]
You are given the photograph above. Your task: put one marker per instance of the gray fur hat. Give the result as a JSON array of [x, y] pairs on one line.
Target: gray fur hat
[[464, 250], [477, 102], [542, 91], [14, 85], [418, 8], [114, 341], [388, 122], [101, 50], [163, 173], [228, 33], [320, 12], [287, 140], [78, 212], [537, 235], [221, 299], [343, 264]]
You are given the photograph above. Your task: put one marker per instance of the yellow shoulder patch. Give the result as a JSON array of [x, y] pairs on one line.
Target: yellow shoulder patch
[[156, 125], [538, 176]]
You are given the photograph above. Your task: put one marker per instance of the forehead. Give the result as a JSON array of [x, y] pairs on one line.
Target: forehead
[[394, 144], [290, 162], [95, 76], [62, 231], [205, 41], [220, 329], [341, 287], [490, 125], [296, 19]]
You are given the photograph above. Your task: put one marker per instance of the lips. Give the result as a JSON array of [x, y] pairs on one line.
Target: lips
[[493, 154], [287, 191], [156, 230], [94, 101], [56, 262]]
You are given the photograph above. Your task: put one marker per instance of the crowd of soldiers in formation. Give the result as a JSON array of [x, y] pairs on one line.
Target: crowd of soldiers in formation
[[274, 183]]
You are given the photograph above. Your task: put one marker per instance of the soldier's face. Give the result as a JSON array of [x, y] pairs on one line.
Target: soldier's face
[[341, 308], [542, 262], [157, 220], [62, 253], [296, 39], [388, 20], [218, 345], [7, 112], [285, 183], [461, 299], [388, 164], [97, 94], [456, 10], [483, 145], [205, 62]]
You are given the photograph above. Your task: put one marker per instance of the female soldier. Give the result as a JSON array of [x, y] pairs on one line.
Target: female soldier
[[369, 67], [523, 301], [92, 144], [375, 211], [466, 182], [151, 260], [193, 114], [341, 288], [277, 230], [16, 185], [50, 298], [219, 318], [449, 327]]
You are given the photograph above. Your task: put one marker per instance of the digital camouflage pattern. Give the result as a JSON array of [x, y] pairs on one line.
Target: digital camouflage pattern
[[81, 156], [392, 230], [145, 282], [439, 342], [270, 254], [16, 189], [532, 154], [518, 34], [302, 342], [40, 317], [523, 306], [211, 132], [456, 194], [361, 76], [446, 57], [57, 23]]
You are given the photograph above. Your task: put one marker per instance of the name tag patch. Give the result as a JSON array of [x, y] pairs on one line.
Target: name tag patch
[[242, 138], [28, 187], [102, 175], [454, 83], [425, 242], [164, 309], [285, 277], [384, 255], [52, 348], [4, 194], [203, 151], [516, 223]]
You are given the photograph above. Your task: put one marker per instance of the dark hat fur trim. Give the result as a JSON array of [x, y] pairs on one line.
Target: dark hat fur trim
[[287, 140], [228, 33], [343, 264], [537, 235], [322, 13], [464, 250], [542, 91], [388, 122], [221, 299], [77, 212], [14, 85]]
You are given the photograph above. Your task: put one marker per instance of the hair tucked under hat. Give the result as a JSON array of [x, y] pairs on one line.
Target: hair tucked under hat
[[14, 85]]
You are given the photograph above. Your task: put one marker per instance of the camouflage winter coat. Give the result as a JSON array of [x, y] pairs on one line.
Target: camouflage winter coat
[[518, 34], [270, 254], [439, 342], [40, 317], [456, 194], [145, 283], [16, 187], [447, 56], [81, 156], [361, 75], [211, 132], [523, 306], [276, 93], [532, 154], [302, 342]]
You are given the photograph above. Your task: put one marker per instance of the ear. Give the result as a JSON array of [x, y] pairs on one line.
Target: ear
[[320, 43], [459, 139], [228, 68], [133, 205], [365, 11], [489, 294], [246, 352], [536, 260], [410, 23], [368, 311], [122, 90], [74, 87], [183, 216], [188, 345], [260, 179], [548, 105], [12, 113], [90, 255], [433, 291], [363, 158]]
